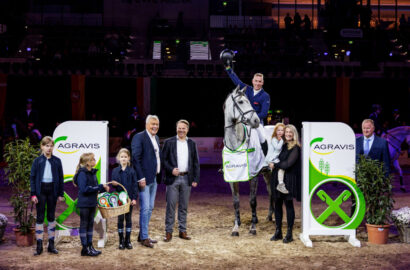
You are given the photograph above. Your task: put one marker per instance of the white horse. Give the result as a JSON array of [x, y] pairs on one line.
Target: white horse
[[395, 137], [241, 121]]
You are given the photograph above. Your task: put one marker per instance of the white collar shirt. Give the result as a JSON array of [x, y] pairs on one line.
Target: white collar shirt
[[182, 154], [156, 150]]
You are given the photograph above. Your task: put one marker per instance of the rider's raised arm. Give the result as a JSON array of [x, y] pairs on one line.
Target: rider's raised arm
[[235, 78]]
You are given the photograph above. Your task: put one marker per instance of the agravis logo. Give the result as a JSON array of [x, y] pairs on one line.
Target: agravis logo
[[65, 147], [327, 149]]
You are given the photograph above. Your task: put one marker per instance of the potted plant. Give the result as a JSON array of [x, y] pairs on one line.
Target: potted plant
[[19, 155], [401, 219], [377, 191]]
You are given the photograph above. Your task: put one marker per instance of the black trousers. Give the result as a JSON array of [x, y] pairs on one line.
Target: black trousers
[[128, 220], [48, 198], [290, 212], [86, 224]]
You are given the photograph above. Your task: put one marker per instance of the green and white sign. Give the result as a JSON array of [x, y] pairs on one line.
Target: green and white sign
[[328, 163], [72, 139]]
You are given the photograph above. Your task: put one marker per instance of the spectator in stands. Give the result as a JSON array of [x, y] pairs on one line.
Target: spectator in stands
[[396, 119], [288, 22], [29, 115], [306, 23], [297, 21]]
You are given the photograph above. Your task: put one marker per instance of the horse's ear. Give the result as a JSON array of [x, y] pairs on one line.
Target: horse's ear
[[236, 88], [243, 90]]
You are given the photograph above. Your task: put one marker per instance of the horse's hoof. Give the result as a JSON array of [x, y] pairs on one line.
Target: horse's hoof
[[269, 218], [403, 189], [253, 232], [235, 234]]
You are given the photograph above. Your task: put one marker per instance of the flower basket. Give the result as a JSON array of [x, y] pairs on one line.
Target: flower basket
[[401, 219]]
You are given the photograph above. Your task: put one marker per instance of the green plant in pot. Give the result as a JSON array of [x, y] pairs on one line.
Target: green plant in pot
[[377, 191], [19, 155]]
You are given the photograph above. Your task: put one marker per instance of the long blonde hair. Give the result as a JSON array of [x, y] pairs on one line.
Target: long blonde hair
[[84, 159], [275, 130], [295, 140], [126, 151]]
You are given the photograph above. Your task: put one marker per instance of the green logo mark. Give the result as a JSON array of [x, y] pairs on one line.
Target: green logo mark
[[334, 206]]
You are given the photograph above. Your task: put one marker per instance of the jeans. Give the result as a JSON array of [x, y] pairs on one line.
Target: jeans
[[147, 200]]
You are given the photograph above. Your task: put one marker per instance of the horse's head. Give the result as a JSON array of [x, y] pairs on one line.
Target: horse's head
[[238, 109]]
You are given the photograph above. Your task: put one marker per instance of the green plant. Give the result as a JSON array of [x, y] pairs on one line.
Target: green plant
[[19, 155], [376, 188]]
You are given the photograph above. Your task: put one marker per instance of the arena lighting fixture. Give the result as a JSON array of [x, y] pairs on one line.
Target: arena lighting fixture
[[177, 41], [334, 46], [350, 42], [391, 54], [28, 49], [325, 53], [342, 51], [347, 53], [224, 3]]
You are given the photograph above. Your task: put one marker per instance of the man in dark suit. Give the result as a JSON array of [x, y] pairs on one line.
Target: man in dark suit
[[146, 158], [372, 145], [181, 164]]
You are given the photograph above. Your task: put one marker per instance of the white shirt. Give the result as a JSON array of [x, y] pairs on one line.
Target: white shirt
[[371, 140], [182, 154], [255, 92], [156, 149], [47, 176]]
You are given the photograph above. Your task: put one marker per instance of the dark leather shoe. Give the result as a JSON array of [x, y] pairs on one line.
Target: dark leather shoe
[[184, 235], [147, 243], [168, 237], [153, 241]]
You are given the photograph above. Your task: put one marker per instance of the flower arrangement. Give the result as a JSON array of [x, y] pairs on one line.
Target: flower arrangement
[[401, 217]]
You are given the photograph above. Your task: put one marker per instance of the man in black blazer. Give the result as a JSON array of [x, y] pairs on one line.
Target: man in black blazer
[[181, 165], [146, 159], [372, 145]]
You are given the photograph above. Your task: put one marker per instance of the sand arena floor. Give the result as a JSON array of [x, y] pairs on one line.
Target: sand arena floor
[[210, 221]]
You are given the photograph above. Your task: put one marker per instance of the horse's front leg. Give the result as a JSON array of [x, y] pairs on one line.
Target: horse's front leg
[[252, 201], [266, 177], [235, 198], [398, 169]]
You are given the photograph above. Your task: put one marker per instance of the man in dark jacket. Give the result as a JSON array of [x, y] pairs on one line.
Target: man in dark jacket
[[181, 164], [146, 158]]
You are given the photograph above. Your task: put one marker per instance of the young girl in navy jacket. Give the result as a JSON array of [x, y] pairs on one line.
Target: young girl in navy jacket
[[126, 176], [88, 189], [47, 184]]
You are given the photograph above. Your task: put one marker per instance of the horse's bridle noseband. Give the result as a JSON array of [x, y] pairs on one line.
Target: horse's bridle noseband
[[242, 114]]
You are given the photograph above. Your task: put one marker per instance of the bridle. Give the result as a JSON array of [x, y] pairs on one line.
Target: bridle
[[243, 118]]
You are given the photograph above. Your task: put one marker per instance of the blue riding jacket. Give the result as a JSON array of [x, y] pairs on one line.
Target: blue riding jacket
[[260, 102]]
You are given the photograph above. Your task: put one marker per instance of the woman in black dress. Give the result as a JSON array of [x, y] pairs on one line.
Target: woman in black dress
[[289, 160]]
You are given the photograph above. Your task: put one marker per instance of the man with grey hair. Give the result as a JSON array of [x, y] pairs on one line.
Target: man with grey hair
[[181, 165], [146, 158]]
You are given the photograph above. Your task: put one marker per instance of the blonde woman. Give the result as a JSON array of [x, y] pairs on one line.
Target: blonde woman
[[290, 163]]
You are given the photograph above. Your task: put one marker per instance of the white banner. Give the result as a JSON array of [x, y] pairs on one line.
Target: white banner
[[329, 157], [72, 139]]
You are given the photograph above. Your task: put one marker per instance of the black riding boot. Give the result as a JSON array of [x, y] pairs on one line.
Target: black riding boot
[[93, 250], [288, 238], [85, 251], [278, 234], [128, 244], [121, 237], [51, 248], [39, 248]]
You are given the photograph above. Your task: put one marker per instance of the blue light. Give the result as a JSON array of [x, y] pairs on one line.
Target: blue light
[[325, 53], [235, 52], [347, 53], [391, 54], [28, 49]]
